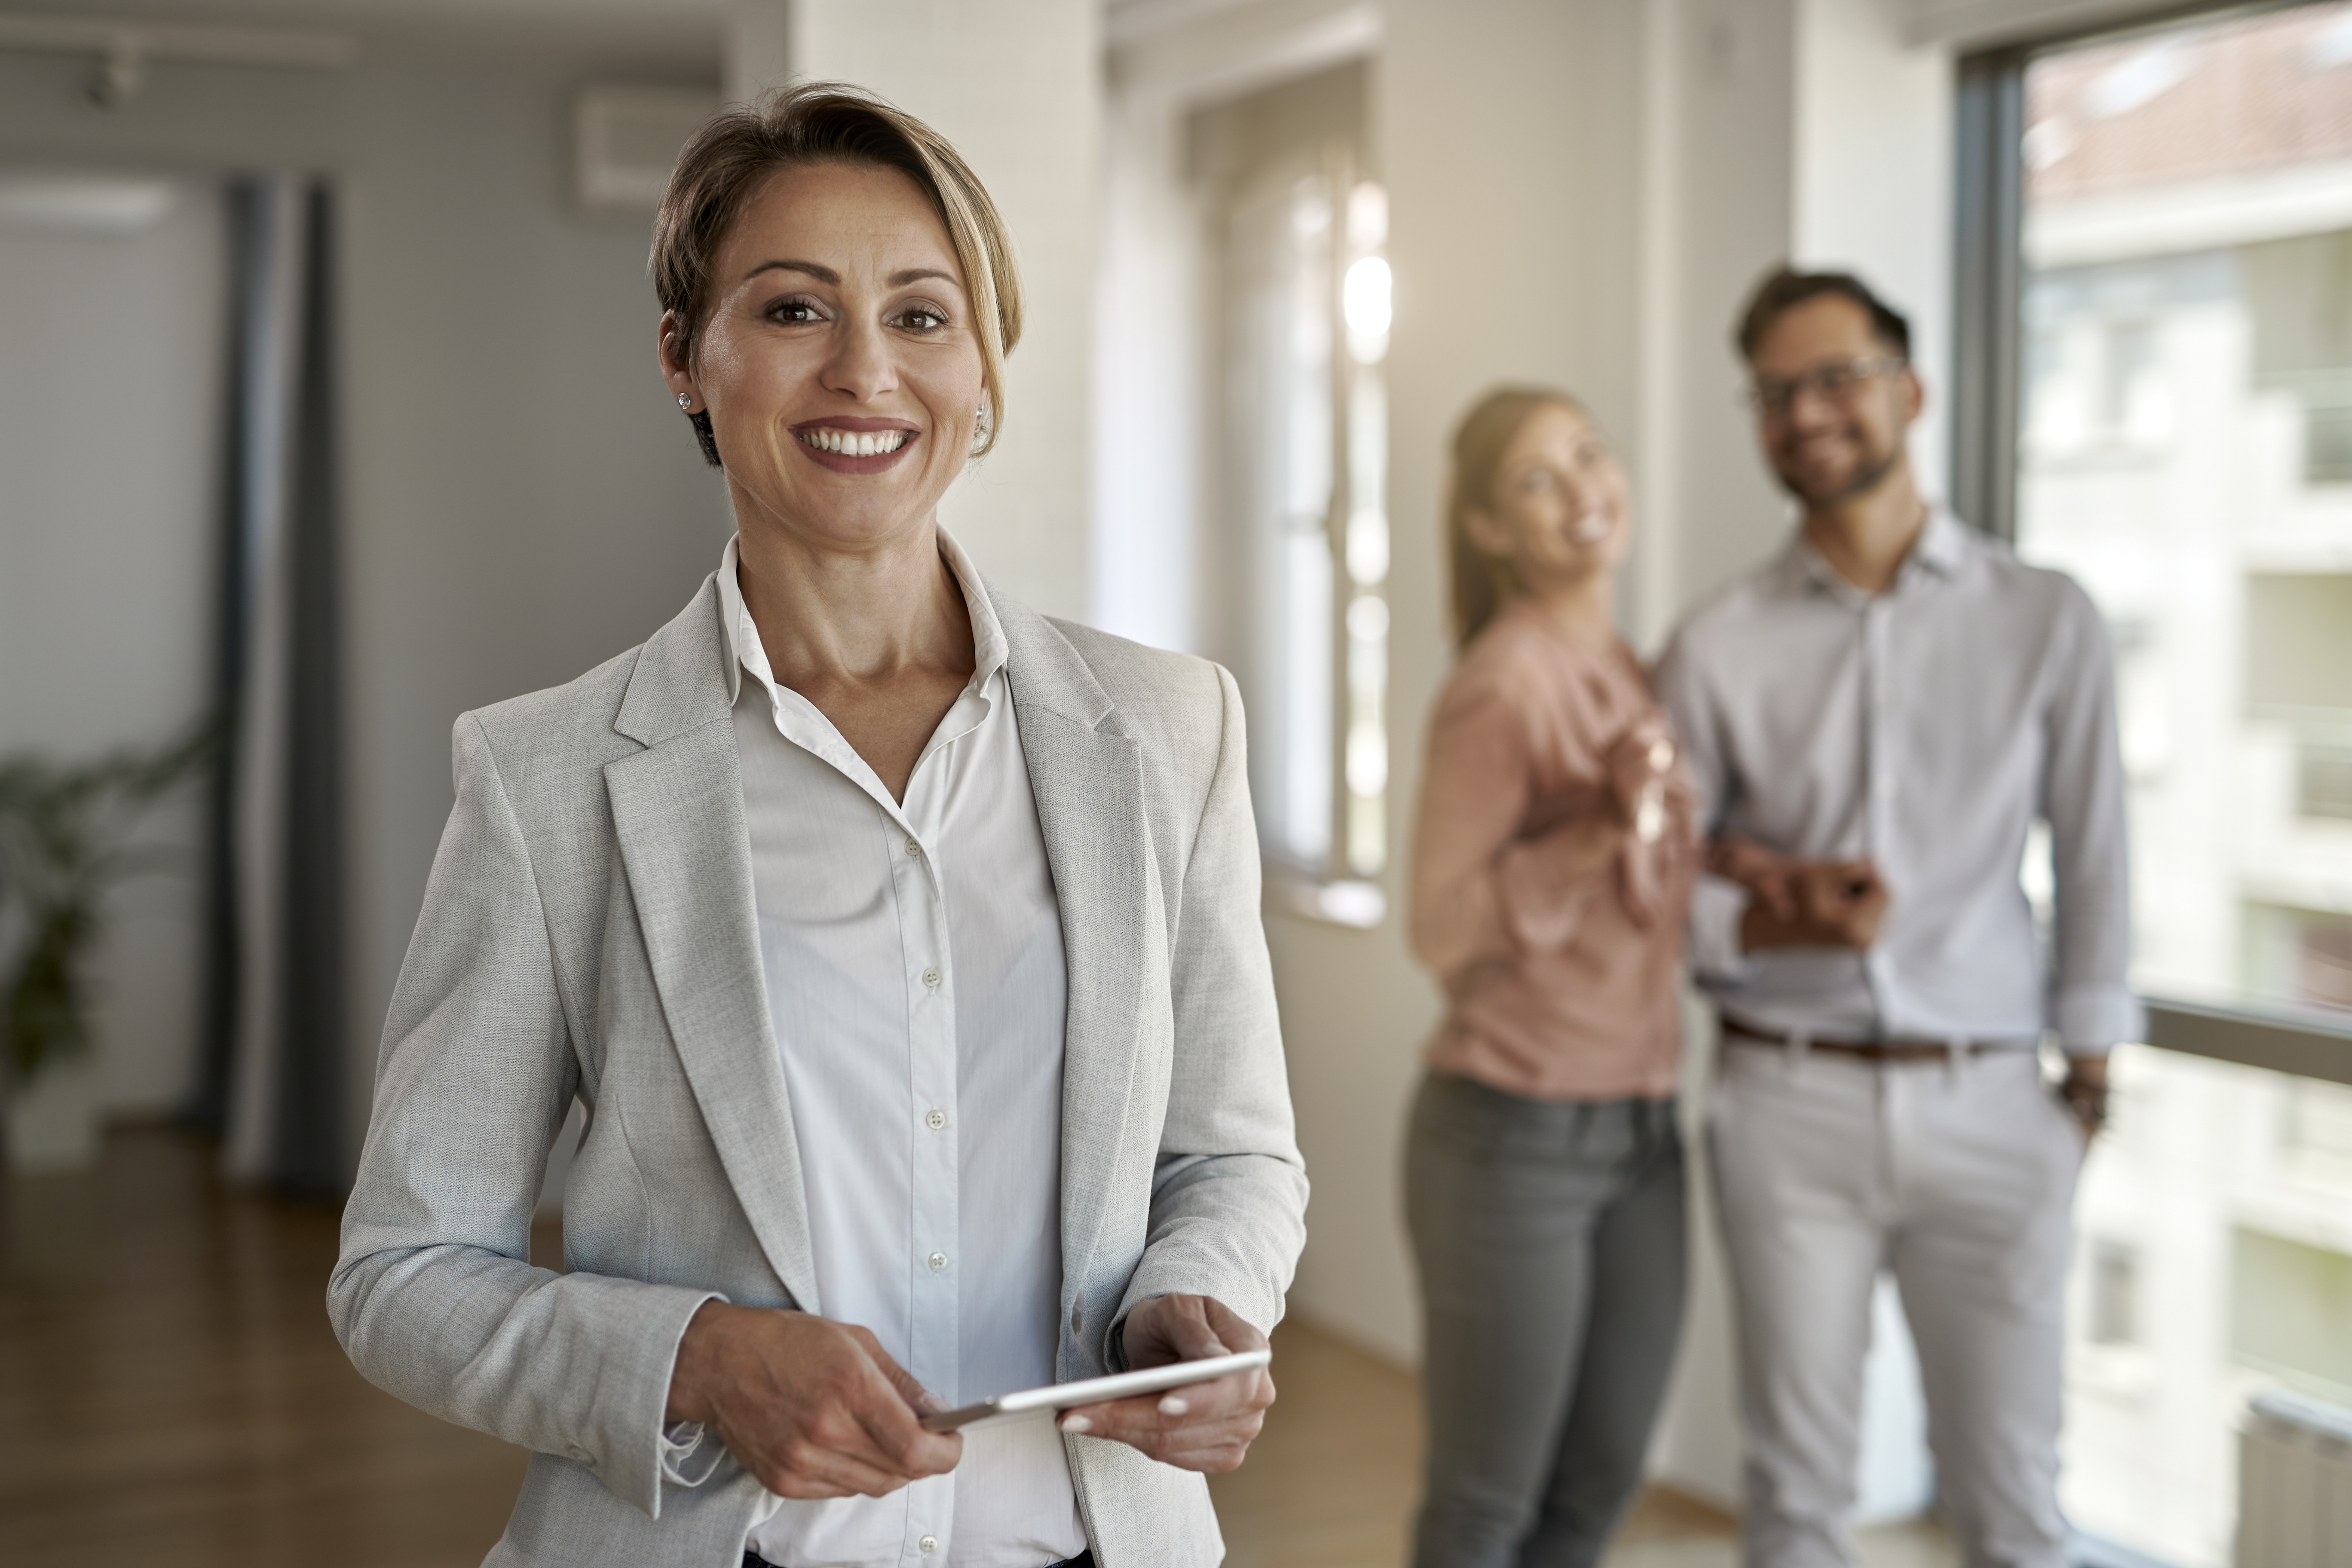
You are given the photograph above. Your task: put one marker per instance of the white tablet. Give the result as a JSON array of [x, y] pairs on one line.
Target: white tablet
[[1094, 1390]]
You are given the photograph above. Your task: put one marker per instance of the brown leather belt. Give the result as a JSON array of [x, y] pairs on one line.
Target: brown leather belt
[[1868, 1050]]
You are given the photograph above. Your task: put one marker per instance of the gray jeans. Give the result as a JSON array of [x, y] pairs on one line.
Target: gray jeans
[[1549, 1237]]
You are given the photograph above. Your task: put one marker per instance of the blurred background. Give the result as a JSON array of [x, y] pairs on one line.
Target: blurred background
[[327, 402]]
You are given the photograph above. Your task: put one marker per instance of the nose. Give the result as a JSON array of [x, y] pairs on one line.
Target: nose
[[1810, 406], [1578, 491], [1589, 519], [861, 365]]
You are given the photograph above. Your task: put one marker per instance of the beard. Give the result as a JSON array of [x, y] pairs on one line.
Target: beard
[[1869, 468]]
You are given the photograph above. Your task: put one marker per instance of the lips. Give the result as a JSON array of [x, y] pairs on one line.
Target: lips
[[855, 446]]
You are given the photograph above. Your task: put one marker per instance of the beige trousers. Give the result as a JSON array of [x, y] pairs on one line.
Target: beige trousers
[[1958, 1178]]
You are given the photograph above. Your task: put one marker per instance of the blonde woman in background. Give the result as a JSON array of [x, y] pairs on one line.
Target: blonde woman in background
[[1552, 865]]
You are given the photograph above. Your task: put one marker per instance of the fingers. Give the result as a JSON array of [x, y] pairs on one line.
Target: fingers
[[896, 1427], [817, 1409], [1206, 1426], [1203, 1426], [920, 1400], [1171, 1328], [813, 1470], [1843, 900], [1238, 1398]]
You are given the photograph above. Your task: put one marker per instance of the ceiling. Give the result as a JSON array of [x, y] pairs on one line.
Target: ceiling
[[665, 34]]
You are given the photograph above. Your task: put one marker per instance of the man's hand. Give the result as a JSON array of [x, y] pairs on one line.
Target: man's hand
[[1768, 875], [812, 1407], [1203, 1426], [1818, 903], [2085, 1094]]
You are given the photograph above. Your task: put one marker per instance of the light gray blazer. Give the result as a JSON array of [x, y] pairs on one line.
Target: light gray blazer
[[589, 930]]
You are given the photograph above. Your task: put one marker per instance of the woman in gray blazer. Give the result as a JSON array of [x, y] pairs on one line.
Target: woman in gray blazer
[[901, 944]]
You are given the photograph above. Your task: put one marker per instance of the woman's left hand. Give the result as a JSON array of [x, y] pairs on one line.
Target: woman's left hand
[[1206, 1426]]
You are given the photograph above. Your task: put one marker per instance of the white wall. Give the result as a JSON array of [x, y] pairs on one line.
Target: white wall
[[1874, 115], [1016, 85], [111, 344], [1146, 553], [522, 499]]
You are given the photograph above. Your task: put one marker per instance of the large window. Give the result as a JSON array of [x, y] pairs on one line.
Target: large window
[[2156, 396], [1304, 325]]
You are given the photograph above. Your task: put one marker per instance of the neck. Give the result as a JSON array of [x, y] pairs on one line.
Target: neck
[[1865, 537], [860, 617], [1583, 605]]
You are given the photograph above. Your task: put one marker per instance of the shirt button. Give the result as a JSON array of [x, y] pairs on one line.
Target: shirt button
[[939, 1261], [932, 978], [929, 1543], [913, 848], [936, 1120]]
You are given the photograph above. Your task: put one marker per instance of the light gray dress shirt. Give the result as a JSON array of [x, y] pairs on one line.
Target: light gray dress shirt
[[1926, 729], [912, 953]]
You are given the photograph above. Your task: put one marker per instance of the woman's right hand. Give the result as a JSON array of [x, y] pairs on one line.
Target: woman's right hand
[[1769, 876], [811, 1408], [1640, 762]]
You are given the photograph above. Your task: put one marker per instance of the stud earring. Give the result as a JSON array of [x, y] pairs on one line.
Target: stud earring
[[686, 400]]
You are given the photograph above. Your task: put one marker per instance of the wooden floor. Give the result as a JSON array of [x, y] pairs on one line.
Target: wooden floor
[[170, 1390]]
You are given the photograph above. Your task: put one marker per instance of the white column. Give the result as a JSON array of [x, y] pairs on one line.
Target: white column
[[1874, 183], [1016, 85]]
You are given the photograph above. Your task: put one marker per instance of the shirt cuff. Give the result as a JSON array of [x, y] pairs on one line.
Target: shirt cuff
[[1717, 907], [687, 1457], [2093, 1019]]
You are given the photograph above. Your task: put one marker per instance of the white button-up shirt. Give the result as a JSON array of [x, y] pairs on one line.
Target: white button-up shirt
[[913, 958], [1926, 727]]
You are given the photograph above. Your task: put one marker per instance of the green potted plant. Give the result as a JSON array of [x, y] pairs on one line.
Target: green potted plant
[[65, 842]]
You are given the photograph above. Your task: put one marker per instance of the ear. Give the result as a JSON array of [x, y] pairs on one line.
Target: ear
[[676, 374], [1915, 394], [1487, 532]]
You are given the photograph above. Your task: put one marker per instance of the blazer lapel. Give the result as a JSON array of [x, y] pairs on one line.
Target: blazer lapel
[[1088, 784], [677, 814]]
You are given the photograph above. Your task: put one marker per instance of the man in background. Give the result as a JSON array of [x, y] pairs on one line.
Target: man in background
[[1874, 720]]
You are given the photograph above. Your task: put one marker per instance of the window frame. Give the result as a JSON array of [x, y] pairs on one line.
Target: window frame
[[1988, 274]]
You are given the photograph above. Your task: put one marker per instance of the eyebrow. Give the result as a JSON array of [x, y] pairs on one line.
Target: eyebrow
[[827, 275]]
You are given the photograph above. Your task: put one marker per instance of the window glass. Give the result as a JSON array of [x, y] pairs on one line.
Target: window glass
[[2185, 451], [1308, 433]]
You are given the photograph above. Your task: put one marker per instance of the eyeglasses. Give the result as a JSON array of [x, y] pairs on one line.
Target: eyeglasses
[[1838, 382]]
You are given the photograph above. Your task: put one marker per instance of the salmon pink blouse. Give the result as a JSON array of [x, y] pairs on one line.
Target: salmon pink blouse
[[1559, 968]]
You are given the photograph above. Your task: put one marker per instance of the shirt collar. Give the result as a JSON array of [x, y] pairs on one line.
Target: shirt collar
[[1940, 552], [745, 650]]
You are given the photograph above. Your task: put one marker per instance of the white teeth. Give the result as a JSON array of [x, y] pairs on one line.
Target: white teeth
[[851, 444]]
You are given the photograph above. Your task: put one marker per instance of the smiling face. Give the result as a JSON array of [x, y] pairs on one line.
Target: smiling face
[[839, 362], [1559, 509], [1829, 446]]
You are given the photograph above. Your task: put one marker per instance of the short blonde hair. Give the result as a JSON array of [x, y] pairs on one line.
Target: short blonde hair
[[731, 157]]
